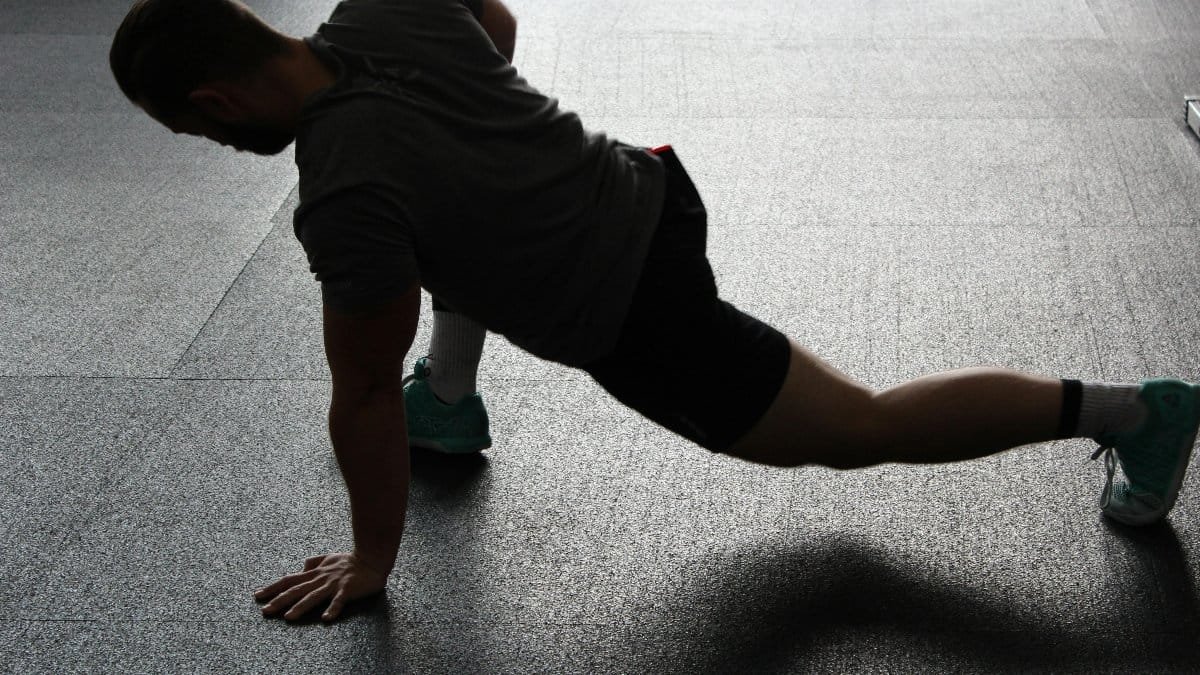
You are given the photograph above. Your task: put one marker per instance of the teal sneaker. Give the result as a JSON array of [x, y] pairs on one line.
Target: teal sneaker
[[453, 429], [1154, 457]]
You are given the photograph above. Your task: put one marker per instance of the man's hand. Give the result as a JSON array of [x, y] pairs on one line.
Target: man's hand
[[337, 577]]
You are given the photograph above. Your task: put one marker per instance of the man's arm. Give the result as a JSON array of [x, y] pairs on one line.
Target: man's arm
[[500, 25], [366, 354], [366, 419]]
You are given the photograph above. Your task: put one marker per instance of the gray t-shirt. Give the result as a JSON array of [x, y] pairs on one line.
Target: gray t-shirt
[[432, 161]]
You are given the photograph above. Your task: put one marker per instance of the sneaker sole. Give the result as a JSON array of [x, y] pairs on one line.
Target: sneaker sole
[[462, 448]]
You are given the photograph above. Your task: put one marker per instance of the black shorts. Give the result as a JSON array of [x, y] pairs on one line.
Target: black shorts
[[686, 359]]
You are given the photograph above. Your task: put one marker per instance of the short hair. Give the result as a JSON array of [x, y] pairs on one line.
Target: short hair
[[164, 49]]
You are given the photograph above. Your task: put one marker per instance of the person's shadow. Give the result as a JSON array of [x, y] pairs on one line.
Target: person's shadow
[[782, 605], [841, 604], [447, 475]]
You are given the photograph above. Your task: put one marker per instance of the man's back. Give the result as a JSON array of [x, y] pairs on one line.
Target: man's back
[[431, 159]]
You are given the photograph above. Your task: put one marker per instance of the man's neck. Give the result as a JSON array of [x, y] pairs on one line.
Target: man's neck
[[314, 73], [301, 73]]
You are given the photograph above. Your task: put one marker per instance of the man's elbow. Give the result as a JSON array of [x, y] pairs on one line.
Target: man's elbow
[[500, 24], [507, 44], [508, 25]]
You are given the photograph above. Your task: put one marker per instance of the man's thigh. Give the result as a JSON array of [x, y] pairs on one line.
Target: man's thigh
[[706, 375], [819, 414]]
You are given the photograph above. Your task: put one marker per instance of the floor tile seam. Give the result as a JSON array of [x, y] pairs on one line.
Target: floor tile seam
[[657, 36], [298, 380], [282, 206], [115, 475], [786, 115], [1142, 73], [776, 115], [326, 380], [208, 320], [108, 621], [115, 378], [249, 260], [83, 377], [996, 225], [304, 380], [56, 33], [28, 622], [13, 655], [148, 378]]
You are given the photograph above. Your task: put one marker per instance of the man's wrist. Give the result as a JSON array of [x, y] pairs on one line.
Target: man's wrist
[[380, 564]]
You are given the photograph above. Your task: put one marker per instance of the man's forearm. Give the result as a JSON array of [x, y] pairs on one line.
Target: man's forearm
[[370, 440]]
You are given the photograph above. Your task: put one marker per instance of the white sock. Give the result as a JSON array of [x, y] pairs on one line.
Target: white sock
[[454, 353], [1108, 409]]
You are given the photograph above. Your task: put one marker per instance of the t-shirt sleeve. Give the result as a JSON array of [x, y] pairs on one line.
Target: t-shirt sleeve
[[476, 7], [358, 249]]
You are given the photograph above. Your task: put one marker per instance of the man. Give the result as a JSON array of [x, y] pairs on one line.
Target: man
[[426, 160]]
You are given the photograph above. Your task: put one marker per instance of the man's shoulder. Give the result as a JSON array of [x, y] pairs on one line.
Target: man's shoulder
[[356, 126], [356, 143], [357, 97]]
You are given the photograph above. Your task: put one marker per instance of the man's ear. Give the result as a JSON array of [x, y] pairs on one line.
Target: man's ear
[[215, 104]]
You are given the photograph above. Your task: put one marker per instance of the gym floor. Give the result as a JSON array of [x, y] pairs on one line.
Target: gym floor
[[904, 186]]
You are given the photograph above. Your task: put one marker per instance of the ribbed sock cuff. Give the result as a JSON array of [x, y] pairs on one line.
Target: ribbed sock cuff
[[454, 354], [1108, 409]]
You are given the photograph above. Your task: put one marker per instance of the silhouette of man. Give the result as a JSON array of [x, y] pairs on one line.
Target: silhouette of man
[[426, 160]]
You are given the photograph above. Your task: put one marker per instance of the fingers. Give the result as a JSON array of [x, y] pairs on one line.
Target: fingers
[[290, 580], [290, 596], [301, 608], [335, 606], [284, 584], [337, 578]]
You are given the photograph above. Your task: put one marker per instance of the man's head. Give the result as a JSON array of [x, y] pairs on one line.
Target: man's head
[[197, 66]]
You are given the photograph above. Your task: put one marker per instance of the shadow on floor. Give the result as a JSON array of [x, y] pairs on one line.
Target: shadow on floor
[[838, 602], [843, 604], [450, 475]]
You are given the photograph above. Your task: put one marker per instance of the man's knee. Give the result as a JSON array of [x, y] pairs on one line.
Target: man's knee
[[862, 442], [858, 439], [865, 442]]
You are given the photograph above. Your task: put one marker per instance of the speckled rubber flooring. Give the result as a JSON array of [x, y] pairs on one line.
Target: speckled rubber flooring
[[904, 186]]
